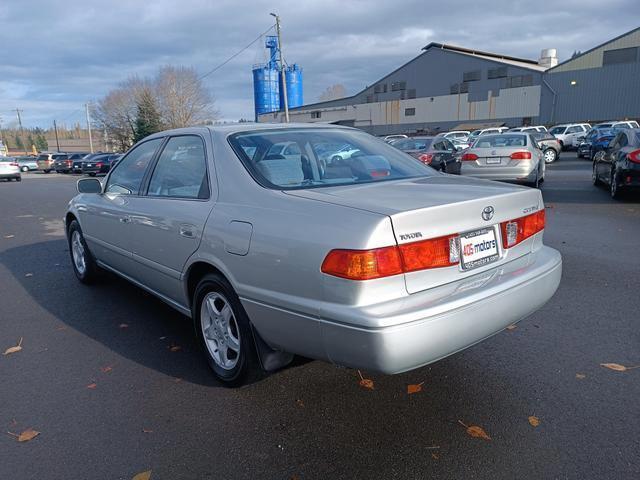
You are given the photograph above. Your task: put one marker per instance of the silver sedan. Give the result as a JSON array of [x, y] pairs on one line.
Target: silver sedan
[[375, 261], [513, 157]]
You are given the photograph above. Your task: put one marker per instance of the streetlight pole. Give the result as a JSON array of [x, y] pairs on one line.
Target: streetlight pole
[[55, 128], [86, 106], [282, 72]]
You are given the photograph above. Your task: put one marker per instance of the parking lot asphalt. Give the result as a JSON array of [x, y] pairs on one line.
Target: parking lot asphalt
[[113, 380]]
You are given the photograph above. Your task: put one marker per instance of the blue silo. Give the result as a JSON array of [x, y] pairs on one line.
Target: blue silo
[[266, 81], [293, 75]]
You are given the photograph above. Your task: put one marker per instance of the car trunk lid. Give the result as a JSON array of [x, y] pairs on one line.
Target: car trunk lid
[[439, 206]]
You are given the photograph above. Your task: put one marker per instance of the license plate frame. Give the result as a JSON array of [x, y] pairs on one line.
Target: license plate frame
[[494, 253], [494, 161]]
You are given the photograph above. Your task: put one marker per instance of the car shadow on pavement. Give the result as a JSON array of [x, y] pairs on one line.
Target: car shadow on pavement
[[119, 315]]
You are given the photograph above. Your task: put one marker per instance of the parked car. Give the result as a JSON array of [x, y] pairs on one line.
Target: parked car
[[76, 166], [549, 145], [64, 163], [538, 128], [9, 169], [462, 135], [596, 140], [618, 124], [98, 164], [437, 152], [344, 152], [379, 263], [619, 164], [45, 162], [27, 163], [391, 138], [567, 134], [513, 157], [485, 131]]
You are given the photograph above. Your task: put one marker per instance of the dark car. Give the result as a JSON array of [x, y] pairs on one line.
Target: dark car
[[549, 145], [595, 141], [99, 163], [619, 164], [438, 152], [64, 163], [77, 164]]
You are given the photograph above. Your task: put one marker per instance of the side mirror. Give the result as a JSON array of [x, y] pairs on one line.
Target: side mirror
[[89, 185]]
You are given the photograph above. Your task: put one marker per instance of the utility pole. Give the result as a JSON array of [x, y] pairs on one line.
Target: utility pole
[[86, 106], [55, 128], [282, 72], [21, 131]]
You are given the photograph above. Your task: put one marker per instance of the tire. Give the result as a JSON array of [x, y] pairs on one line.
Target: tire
[[594, 176], [92, 174], [46, 171], [82, 261], [336, 158], [550, 155], [561, 145], [18, 179], [24, 169], [224, 332], [614, 189]]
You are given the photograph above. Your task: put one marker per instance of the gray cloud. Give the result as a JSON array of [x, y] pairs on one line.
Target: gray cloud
[[58, 55]]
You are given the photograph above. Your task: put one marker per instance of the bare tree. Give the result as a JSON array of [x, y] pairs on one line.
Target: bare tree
[[333, 93], [183, 100]]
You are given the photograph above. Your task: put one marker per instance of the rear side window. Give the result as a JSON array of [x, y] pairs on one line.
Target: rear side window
[[181, 171], [126, 178], [574, 130], [557, 130]]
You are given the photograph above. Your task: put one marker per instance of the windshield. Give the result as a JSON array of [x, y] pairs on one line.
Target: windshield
[[413, 144], [493, 141], [557, 130], [475, 133], [360, 159]]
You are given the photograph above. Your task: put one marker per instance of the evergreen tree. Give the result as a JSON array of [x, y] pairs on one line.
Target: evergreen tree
[[147, 116], [41, 143], [19, 143]]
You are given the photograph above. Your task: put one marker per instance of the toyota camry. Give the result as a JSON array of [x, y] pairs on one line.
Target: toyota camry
[[375, 261]]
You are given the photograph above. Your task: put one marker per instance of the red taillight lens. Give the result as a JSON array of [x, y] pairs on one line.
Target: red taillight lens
[[99, 164], [363, 264], [521, 156], [14, 164], [426, 158], [379, 173], [432, 253], [515, 231], [69, 162], [634, 156], [469, 157]]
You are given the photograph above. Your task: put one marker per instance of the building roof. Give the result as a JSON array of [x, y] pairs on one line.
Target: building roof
[[496, 57], [595, 48]]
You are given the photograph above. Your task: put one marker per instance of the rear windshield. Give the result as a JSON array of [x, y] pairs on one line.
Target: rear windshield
[[413, 144], [43, 157], [557, 130], [287, 159], [493, 141]]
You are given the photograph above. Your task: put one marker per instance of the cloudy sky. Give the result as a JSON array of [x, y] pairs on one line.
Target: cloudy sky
[[55, 56]]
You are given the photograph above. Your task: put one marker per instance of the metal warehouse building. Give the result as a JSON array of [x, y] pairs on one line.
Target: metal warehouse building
[[449, 87]]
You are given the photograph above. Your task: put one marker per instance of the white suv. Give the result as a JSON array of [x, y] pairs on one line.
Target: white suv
[[568, 133]]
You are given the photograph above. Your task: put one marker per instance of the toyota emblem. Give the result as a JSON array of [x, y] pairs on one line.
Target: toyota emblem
[[487, 213]]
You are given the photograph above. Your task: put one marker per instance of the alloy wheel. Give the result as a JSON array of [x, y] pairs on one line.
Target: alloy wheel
[[78, 253], [220, 330], [549, 155]]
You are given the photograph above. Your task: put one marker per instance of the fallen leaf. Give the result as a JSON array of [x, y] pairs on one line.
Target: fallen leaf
[[142, 475], [28, 434], [617, 367], [175, 348], [9, 236], [414, 388], [15, 349], [300, 403], [580, 376], [28, 274], [534, 421], [92, 386], [106, 369], [435, 456], [123, 326], [475, 431], [365, 382], [512, 327]]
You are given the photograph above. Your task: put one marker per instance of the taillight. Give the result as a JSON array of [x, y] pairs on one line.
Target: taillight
[[99, 164], [634, 156], [69, 162], [432, 253], [521, 156], [469, 157], [426, 158], [14, 164], [515, 231], [388, 261], [376, 173], [363, 264]]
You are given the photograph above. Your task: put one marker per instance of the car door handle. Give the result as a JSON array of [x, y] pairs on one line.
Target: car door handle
[[125, 219], [187, 231]]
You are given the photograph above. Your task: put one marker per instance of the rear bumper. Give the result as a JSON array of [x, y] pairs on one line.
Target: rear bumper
[[523, 173], [413, 331]]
